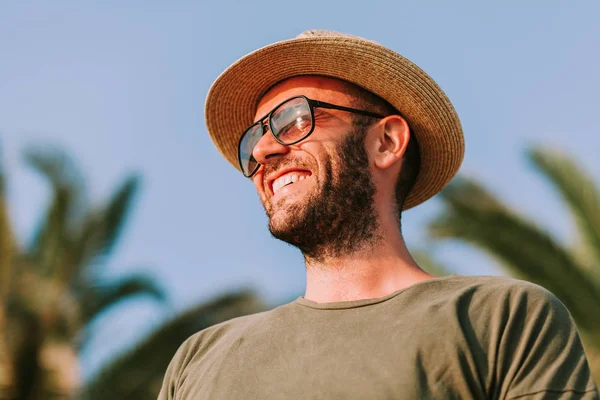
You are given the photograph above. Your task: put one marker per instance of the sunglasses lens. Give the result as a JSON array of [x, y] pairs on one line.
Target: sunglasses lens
[[291, 121], [250, 138]]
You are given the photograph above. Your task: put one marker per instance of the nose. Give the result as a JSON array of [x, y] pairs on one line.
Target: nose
[[268, 148]]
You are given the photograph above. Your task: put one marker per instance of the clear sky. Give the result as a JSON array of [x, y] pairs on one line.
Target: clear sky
[[121, 85]]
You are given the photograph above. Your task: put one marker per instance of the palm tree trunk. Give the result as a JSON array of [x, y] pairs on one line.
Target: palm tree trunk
[[7, 376], [60, 375]]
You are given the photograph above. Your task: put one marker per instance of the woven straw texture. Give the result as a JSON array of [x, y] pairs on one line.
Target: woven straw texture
[[234, 96]]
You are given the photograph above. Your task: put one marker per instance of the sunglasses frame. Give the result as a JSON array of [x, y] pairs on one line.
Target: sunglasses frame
[[312, 104]]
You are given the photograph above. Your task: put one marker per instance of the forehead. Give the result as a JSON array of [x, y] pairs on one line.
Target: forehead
[[314, 87]]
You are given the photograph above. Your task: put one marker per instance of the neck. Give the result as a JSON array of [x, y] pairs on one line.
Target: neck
[[378, 269]]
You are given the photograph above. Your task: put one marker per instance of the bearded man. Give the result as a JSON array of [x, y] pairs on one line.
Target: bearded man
[[339, 136]]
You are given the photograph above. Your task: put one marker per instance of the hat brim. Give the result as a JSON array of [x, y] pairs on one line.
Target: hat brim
[[233, 98]]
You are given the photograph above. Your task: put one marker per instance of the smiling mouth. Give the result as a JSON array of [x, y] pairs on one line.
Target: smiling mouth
[[289, 179]]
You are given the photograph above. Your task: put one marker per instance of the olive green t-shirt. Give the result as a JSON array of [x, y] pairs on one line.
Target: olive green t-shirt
[[452, 337]]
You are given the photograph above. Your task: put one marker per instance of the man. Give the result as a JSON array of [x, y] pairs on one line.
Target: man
[[339, 136]]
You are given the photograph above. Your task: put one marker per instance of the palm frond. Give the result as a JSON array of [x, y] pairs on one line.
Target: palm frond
[[101, 229], [48, 247], [115, 214], [55, 230], [475, 216], [7, 245], [579, 192], [7, 373], [56, 165], [98, 297], [138, 373], [426, 261]]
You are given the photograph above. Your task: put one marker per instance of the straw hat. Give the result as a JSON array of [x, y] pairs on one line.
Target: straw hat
[[233, 98]]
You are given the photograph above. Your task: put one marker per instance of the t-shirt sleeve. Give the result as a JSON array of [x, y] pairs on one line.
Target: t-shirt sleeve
[[540, 354], [169, 387]]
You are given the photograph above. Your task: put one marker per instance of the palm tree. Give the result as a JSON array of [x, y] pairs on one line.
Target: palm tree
[[139, 372], [525, 249], [51, 288]]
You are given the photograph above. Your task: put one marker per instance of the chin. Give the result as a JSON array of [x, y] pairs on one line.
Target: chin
[[286, 219]]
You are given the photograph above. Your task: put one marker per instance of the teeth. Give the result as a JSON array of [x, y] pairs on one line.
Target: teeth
[[286, 180]]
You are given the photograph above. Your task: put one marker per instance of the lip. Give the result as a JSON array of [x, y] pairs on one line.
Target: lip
[[272, 177]]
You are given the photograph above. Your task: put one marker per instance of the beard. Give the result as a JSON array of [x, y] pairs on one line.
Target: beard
[[339, 217]]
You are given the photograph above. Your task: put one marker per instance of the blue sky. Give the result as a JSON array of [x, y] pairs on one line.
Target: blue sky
[[121, 85]]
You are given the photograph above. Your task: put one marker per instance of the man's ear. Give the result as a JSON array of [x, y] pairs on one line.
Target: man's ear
[[388, 141]]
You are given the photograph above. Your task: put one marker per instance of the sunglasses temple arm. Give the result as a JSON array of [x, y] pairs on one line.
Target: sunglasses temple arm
[[322, 104]]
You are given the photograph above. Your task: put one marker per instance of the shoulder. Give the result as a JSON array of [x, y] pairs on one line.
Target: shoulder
[[196, 346], [493, 283], [526, 333], [493, 289], [515, 307], [495, 300], [223, 334]]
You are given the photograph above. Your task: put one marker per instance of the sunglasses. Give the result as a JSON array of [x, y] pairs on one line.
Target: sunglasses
[[289, 122]]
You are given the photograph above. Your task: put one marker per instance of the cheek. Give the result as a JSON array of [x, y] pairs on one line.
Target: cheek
[[259, 185], [257, 179], [330, 153], [321, 152]]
